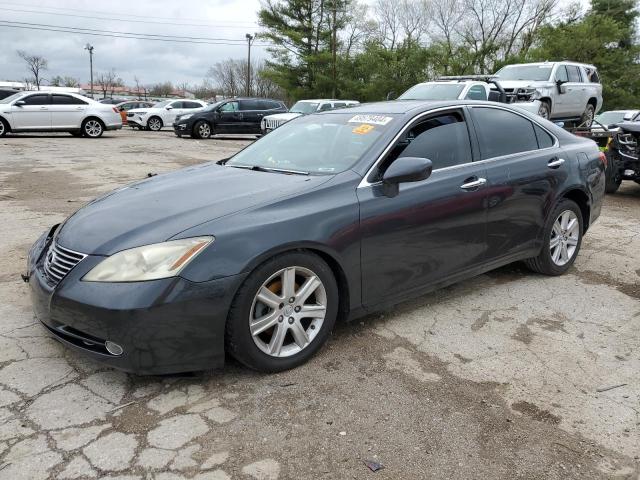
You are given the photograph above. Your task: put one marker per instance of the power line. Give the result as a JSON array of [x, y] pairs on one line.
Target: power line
[[128, 36], [116, 32], [219, 25], [103, 12]]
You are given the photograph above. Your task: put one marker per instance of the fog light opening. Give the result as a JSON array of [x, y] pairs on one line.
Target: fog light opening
[[113, 348]]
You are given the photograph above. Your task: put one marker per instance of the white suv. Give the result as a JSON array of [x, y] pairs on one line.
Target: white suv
[[567, 91], [57, 112], [303, 107], [162, 114]]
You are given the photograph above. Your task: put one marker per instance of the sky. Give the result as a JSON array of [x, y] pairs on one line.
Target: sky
[[150, 61]]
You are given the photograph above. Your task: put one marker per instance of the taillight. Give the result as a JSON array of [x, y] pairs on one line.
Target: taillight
[[603, 159], [115, 110]]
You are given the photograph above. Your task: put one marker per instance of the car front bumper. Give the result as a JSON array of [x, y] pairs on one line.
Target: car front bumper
[[182, 128], [531, 107], [163, 326]]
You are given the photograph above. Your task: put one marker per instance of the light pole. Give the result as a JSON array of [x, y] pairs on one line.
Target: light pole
[[90, 48], [250, 39]]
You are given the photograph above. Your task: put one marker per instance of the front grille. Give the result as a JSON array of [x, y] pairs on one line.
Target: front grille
[[59, 261], [273, 124]]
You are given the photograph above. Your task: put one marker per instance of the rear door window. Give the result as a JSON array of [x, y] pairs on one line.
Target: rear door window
[[249, 105], [501, 132], [67, 100], [574, 74]]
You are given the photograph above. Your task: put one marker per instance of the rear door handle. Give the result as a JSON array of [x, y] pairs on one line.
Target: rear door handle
[[555, 162], [474, 184]]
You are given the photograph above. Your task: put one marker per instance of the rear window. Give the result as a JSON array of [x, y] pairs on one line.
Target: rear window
[[501, 132], [544, 139]]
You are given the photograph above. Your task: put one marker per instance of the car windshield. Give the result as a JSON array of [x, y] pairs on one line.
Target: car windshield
[[304, 107], [162, 104], [526, 72], [608, 118], [316, 144], [433, 91], [11, 98]]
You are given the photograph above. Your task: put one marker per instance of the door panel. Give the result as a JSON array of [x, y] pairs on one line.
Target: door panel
[[35, 115], [562, 101], [65, 113], [430, 231], [229, 118]]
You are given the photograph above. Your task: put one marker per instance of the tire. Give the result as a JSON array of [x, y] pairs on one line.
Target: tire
[[155, 124], [545, 109], [546, 262], [586, 119], [612, 174], [4, 127], [261, 350], [92, 128], [202, 130]]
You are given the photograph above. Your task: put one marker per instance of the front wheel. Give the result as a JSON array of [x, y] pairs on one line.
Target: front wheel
[[612, 175], [562, 240], [586, 119], [4, 128], [283, 313], [202, 130], [154, 124], [92, 128]]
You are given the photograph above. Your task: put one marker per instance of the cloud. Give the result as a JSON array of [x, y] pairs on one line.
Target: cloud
[[150, 61]]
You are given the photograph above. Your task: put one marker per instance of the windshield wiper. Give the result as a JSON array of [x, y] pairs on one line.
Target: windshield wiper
[[258, 168]]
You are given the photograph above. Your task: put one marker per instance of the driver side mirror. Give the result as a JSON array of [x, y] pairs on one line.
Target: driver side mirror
[[20, 103], [168, 107], [561, 86], [405, 170]]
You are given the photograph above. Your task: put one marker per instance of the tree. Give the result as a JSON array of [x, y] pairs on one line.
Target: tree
[[163, 89], [36, 64], [107, 81]]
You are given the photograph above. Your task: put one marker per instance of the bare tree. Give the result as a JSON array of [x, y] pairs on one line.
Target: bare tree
[[183, 87], [163, 89], [107, 81], [359, 26], [36, 64], [389, 27]]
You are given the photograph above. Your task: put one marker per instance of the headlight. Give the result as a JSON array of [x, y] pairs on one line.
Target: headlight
[[150, 262], [184, 117]]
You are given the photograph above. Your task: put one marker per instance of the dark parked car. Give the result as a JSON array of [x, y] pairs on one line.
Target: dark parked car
[[624, 155], [332, 215], [6, 92], [237, 115]]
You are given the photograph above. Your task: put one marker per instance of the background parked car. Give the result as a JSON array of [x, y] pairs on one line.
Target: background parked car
[[303, 107], [124, 107], [611, 118], [7, 92], [238, 115], [624, 156], [57, 112], [567, 91], [162, 114]]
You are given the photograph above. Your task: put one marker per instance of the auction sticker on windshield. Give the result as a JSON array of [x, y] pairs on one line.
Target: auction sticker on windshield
[[371, 119], [363, 129]]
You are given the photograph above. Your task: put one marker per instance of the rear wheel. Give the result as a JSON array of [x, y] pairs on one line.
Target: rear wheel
[[562, 240], [202, 130], [4, 128], [92, 128], [154, 124], [283, 313]]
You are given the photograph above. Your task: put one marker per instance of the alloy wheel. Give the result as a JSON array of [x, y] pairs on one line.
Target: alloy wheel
[[93, 128], [543, 111], [1, 128], [288, 311], [565, 236], [204, 130], [155, 124]]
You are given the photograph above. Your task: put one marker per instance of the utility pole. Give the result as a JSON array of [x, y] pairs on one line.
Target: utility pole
[[334, 41], [250, 39], [90, 48]]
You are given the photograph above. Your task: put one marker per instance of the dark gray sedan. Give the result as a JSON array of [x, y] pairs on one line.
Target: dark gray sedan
[[330, 216]]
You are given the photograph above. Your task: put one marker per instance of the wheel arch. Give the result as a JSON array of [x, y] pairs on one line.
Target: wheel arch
[[581, 198], [92, 117], [593, 101], [6, 122], [330, 257]]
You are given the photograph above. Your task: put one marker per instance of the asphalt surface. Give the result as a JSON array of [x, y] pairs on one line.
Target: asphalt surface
[[504, 376]]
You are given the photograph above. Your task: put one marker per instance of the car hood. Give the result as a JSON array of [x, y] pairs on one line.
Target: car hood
[[283, 116], [161, 207], [524, 84]]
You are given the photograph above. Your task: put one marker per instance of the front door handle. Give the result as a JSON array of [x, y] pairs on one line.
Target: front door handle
[[474, 184], [555, 162]]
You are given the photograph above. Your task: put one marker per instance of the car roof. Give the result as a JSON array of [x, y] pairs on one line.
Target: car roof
[[551, 64], [316, 100], [404, 106]]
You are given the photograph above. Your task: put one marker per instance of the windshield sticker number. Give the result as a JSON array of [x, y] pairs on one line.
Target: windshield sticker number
[[372, 119], [363, 129]]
